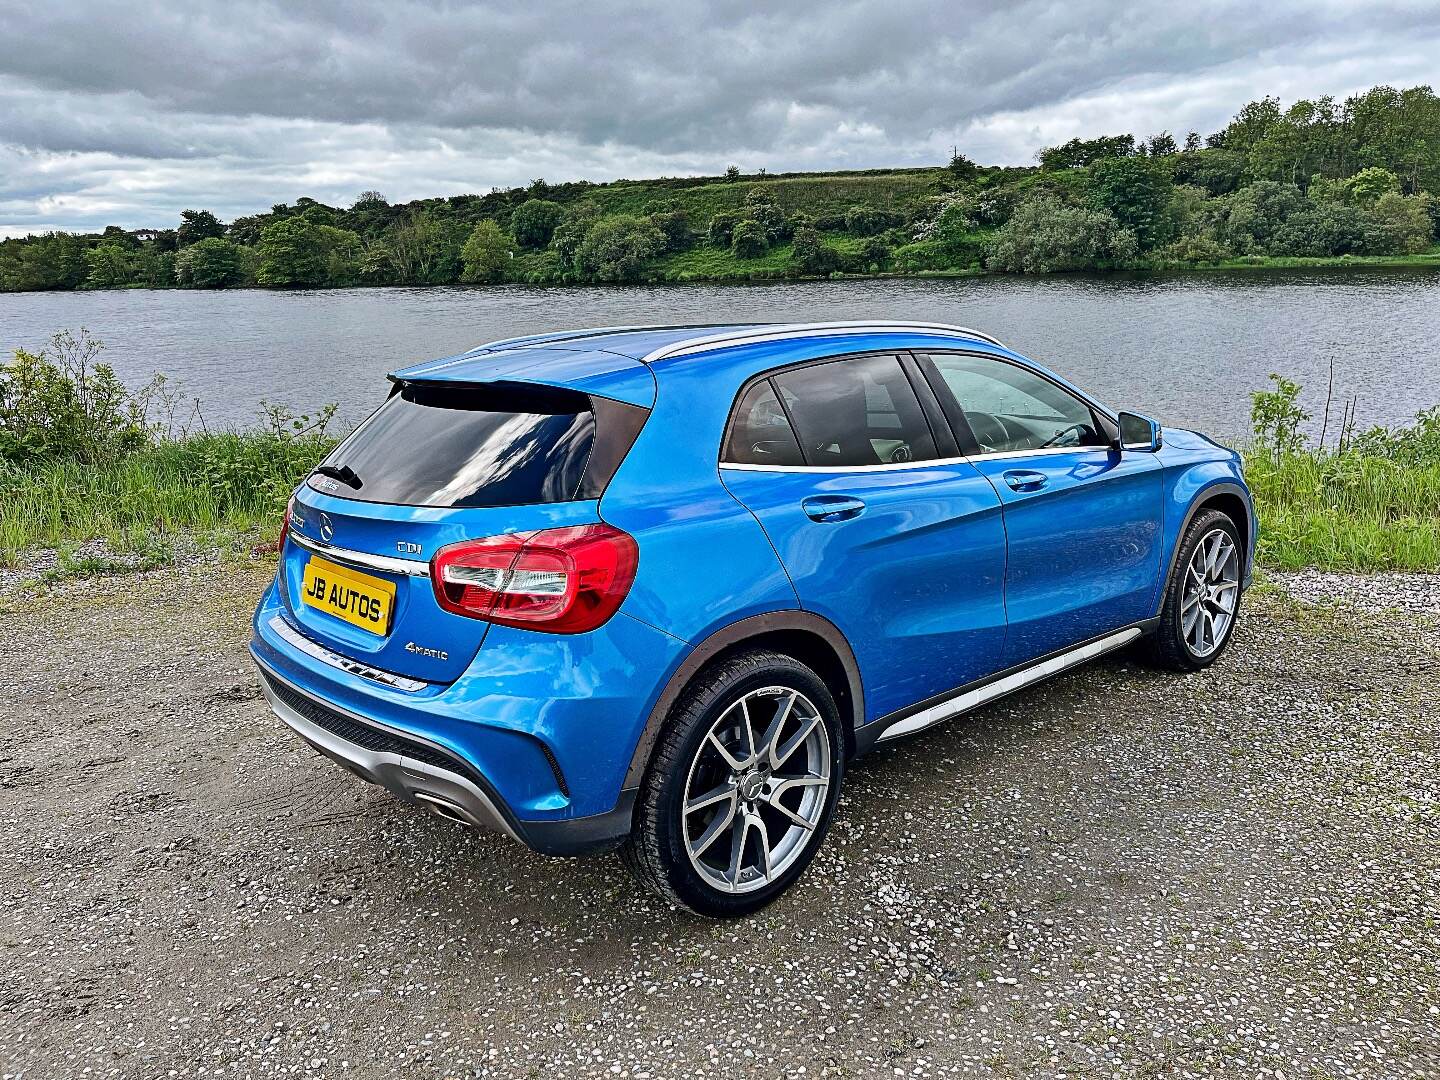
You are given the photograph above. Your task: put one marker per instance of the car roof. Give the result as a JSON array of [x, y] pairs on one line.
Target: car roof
[[619, 361]]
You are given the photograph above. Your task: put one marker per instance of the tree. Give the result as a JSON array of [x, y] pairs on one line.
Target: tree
[[1403, 222], [1162, 145], [1079, 153], [211, 263], [1252, 216], [749, 240], [761, 207], [425, 249], [109, 266], [617, 248], [369, 200], [674, 224], [1217, 171], [812, 255], [196, 225], [1368, 186], [1137, 192], [1250, 125], [1045, 235], [721, 229], [868, 220], [961, 168], [486, 253], [1192, 142], [534, 222], [1322, 229], [732, 172], [296, 252]]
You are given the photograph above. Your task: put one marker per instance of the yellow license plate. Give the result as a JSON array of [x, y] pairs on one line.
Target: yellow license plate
[[364, 601]]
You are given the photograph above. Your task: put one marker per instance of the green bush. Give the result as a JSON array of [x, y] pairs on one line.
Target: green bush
[[812, 255], [617, 248], [534, 222], [749, 240], [211, 263], [1046, 235], [486, 254], [62, 403]]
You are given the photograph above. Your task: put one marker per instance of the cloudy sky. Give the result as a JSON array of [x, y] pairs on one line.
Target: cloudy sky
[[127, 113]]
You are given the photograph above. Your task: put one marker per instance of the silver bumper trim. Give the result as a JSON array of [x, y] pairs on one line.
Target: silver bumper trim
[[441, 792], [299, 641]]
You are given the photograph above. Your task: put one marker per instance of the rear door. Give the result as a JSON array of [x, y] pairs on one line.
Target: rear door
[[436, 464], [883, 528], [1082, 519]]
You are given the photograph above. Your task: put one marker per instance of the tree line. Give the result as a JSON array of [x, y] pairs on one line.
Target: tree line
[[1317, 179]]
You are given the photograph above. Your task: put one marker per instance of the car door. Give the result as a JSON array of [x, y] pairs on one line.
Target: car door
[[885, 530], [1082, 519]]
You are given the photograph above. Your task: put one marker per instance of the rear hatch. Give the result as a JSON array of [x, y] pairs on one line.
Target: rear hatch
[[437, 464]]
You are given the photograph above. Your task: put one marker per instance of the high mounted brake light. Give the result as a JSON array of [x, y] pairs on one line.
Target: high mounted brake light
[[565, 581]]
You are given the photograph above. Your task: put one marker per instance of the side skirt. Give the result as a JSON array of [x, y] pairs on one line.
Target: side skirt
[[971, 696]]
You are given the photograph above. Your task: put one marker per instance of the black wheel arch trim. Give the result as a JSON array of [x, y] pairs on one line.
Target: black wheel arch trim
[[730, 637], [1203, 499]]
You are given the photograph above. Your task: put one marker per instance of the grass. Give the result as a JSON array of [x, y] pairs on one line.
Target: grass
[[1356, 511], [212, 486], [1345, 511]]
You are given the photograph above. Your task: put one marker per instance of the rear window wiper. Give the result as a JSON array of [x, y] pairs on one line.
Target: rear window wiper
[[344, 473]]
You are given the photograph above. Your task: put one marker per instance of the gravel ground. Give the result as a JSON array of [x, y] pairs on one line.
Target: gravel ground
[[1120, 873]]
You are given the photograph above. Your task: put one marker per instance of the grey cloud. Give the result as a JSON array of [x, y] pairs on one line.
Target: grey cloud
[[231, 97]]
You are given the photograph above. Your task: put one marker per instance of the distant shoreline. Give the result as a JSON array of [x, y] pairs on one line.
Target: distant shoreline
[[1424, 261]]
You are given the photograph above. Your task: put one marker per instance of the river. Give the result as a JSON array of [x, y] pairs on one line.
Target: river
[[1187, 348]]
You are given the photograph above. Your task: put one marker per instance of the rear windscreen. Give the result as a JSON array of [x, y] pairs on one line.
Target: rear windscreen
[[437, 445]]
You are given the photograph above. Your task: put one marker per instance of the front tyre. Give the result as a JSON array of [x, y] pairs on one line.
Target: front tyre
[[1202, 600], [742, 787]]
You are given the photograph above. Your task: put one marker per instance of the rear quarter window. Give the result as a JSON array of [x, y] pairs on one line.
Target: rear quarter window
[[467, 446]]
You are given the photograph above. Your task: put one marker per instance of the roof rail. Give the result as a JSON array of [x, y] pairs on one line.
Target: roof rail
[[779, 331], [599, 331]]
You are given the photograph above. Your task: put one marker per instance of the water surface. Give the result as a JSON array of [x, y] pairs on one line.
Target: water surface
[[1187, 347]]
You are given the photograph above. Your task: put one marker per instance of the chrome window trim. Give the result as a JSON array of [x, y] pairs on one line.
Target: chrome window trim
[[890, 466], [297, 640], [887, 466], [766, 332], [362, 559], [1039, 451]]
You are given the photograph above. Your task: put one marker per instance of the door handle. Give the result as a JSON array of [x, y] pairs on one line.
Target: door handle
[[832, 507], [1025, 479]]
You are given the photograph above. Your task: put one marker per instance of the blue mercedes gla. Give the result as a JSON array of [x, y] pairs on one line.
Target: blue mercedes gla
[[653, 588]]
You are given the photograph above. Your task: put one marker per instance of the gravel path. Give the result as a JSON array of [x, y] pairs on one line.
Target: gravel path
[[1120, 873]]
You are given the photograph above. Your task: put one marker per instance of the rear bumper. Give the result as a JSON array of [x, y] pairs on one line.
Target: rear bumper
[[427, 774]]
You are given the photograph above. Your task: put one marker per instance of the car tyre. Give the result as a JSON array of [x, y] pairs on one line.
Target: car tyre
[[1202, 597], [758, 736]]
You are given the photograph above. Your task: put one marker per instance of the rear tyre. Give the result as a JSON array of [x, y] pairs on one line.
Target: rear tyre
[[742, 787], [1202, 598]]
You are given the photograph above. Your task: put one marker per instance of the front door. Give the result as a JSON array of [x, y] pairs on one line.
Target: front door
[[1082, 519], [900, 546]]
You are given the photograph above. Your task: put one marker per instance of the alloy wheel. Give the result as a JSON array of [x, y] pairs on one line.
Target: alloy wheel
[[1211, 593], [757, 789]]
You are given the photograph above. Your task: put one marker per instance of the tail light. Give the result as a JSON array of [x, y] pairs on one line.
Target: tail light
[[565, 581]]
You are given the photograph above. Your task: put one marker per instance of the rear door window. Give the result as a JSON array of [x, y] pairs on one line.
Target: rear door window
[[860, 411], [467, 446]]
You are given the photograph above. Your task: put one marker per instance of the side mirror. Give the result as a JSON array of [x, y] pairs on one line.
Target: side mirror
[[1139, 433]]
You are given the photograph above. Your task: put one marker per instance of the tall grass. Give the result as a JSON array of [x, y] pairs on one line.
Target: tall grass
[[1345, 511], [1370, 503], [216, 485]]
